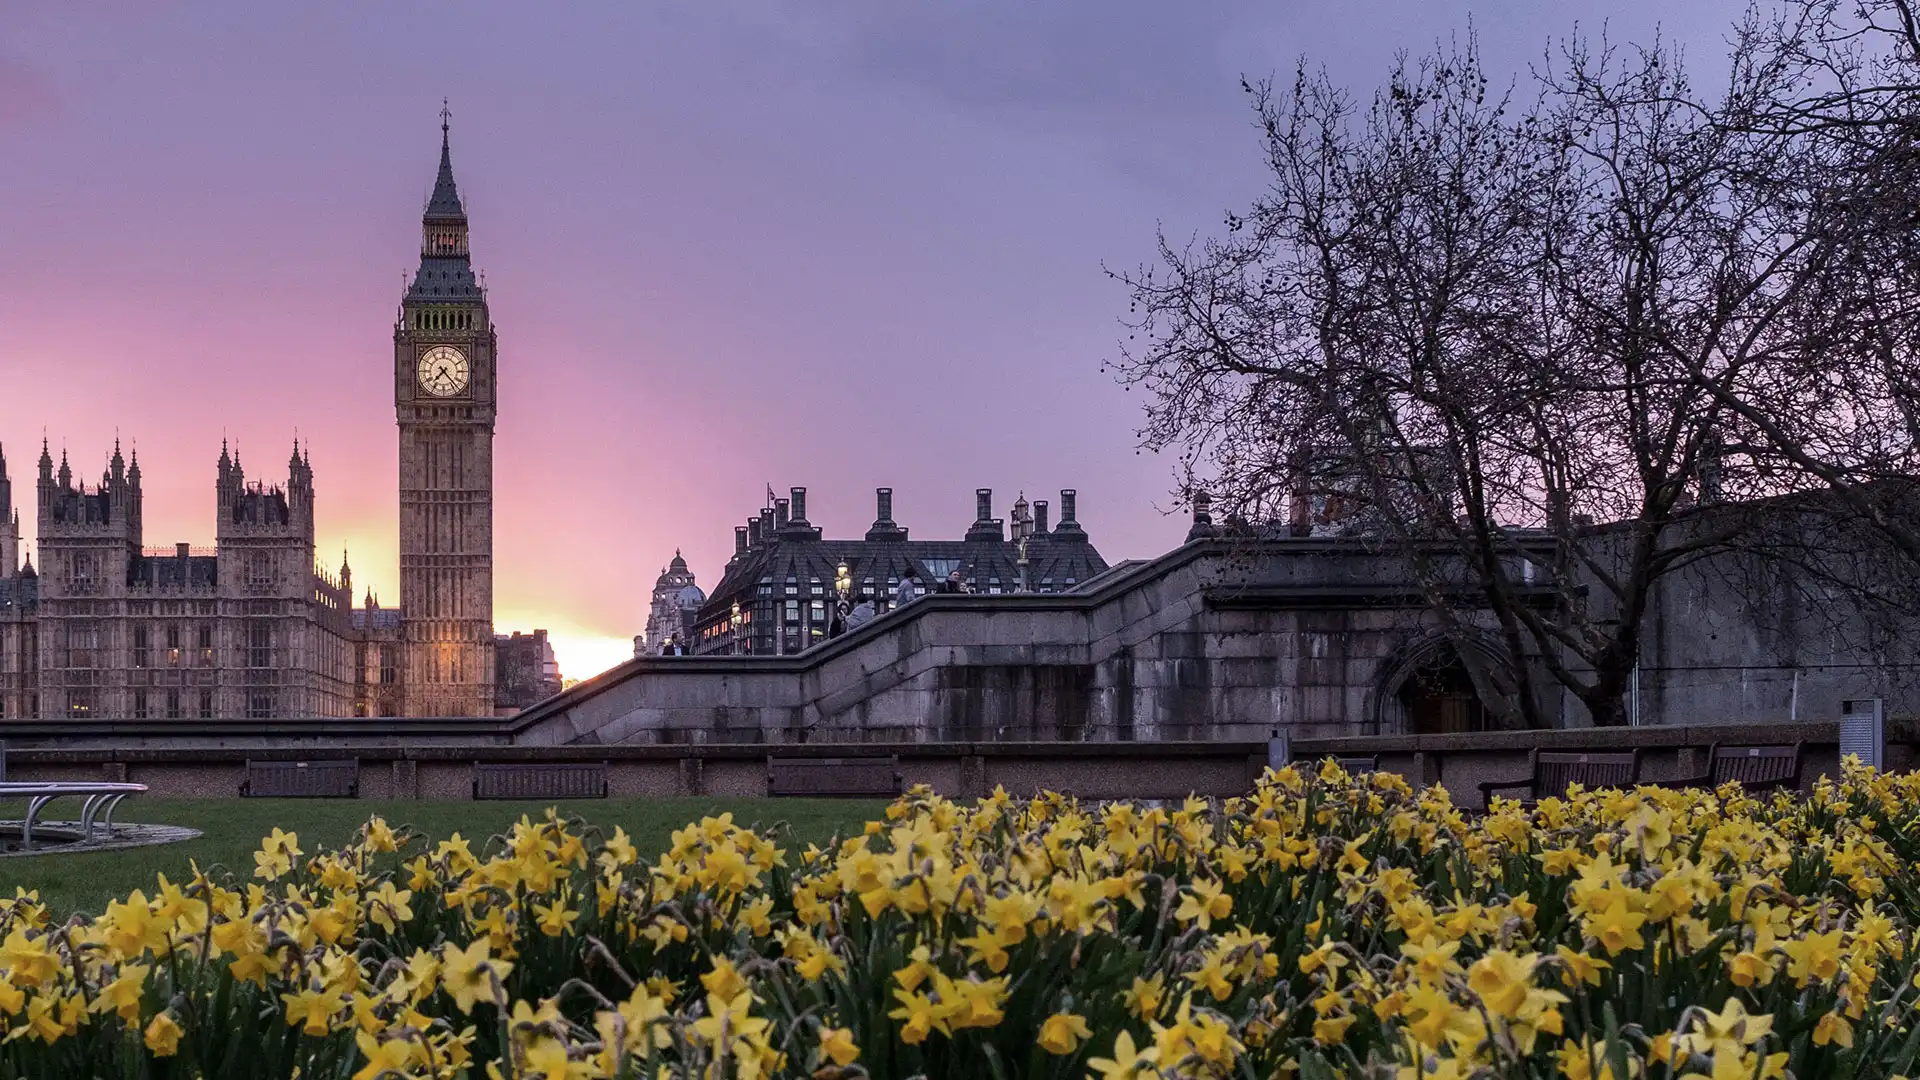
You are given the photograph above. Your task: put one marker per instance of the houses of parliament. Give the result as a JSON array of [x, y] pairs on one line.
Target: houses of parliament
[[107, 627]]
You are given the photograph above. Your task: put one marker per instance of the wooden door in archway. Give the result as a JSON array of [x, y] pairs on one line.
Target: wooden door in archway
[[1439, 698]]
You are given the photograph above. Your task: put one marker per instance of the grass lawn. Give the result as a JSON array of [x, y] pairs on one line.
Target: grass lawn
[[232, 829]]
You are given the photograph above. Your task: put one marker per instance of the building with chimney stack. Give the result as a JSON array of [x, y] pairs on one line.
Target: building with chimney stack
[[779, 590]]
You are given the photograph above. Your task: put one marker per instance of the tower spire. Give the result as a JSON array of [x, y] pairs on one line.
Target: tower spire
[[445, 273], [444, 205]]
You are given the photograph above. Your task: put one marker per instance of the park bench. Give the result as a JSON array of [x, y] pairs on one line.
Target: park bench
[[1756, 768], [1551, 772], [96, 806], [1359, 764], [870, 777], [336, 778], [541, 780]]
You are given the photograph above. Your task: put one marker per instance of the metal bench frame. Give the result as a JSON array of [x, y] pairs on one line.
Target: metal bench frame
[[1551, 772], [536, 771], [96, 808], [318, 765], [1757, 767], [778, 768]]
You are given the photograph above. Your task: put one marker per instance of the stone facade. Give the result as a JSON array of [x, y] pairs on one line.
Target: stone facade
[[525, 670], [105, 628], [783, 581], [672, 613], [1219, 639], [1214, 640], [444, 398], [395, 769]]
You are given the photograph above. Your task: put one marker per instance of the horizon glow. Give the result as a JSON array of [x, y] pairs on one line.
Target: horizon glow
[[728, 245]]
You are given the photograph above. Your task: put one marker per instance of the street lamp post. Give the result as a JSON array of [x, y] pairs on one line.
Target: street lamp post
[[843, 587], [735, 618]]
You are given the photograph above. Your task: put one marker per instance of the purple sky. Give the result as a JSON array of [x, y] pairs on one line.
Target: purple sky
[[728, 244]]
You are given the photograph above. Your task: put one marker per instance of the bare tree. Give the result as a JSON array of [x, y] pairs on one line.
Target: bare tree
[[1486, 327]]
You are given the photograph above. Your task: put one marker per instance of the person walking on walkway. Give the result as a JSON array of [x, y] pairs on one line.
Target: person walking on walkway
[[908, 590], [861, 614]]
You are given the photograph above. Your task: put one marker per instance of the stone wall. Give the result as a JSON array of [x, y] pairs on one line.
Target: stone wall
[[1214, 641], [956, 769], [1211, 641]]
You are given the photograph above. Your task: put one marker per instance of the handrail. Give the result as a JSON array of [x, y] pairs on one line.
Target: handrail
[[98, 802]]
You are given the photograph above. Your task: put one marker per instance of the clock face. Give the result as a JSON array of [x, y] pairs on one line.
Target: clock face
[[443, 371]]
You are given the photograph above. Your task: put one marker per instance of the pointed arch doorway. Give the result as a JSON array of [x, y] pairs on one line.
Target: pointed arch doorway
[[1439, 699], [1427, 689]]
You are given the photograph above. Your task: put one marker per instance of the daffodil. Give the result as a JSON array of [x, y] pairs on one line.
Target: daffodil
[[470, 974], [162, 1035], [1062, 1033], [837, 1046]]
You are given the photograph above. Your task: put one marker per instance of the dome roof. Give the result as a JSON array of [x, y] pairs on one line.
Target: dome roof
[[691, 597], [676, 573]]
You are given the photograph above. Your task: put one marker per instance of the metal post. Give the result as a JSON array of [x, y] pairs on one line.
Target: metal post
[[1279, 749], [1863, 731]]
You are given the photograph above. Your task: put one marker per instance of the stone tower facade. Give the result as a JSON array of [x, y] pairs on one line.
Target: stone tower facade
[[444, 400], [675, 600], [9, 524], [121, 631]]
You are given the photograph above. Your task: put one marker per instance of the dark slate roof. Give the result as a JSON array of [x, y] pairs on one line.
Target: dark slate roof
[[444, 279], [383, 618], [1054, 563], [444, 205], [173, 572]]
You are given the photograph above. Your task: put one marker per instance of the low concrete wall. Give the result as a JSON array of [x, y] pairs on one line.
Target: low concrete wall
[[1090, 770]]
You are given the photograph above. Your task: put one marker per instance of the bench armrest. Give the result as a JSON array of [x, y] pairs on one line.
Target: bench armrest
[[1488, 787]]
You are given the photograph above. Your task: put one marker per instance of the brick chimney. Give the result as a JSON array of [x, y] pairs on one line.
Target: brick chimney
[[884, 527], [1069, 527], [984, 527]]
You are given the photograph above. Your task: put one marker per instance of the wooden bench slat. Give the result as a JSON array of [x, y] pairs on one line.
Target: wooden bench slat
[[1757, 767], [337, 778], [554, 780], [1552, 772], [837, 777]]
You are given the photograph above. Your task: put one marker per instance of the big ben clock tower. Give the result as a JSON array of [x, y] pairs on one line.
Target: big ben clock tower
[[444, 396]]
